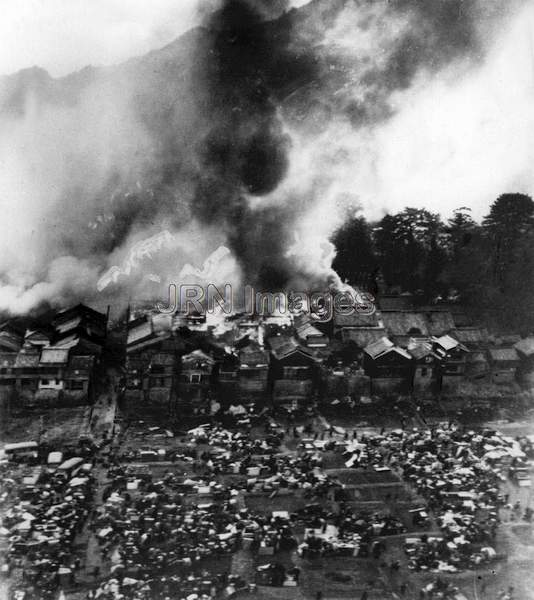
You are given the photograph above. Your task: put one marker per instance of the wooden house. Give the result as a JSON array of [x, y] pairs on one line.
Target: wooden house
[[525, 350], [504, 363], [294, 371], [310, 336], [476, 340], [453, 361], [196, 380], [404, 325], [388, 366], [253, 371], [426, 365], [81, 329]]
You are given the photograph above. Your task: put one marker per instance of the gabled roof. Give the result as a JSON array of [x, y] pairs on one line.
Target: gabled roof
[[504, 354], [470, 335], [420, 349], [139, 332], [199, 357], [379, 347], [80, 309], [69, 324], [308, 330], [253, 356], [282, 347], [10, 340], [405, 323], [449, 343], [38, 335], [384, 346], [526, 346], [363, 336]]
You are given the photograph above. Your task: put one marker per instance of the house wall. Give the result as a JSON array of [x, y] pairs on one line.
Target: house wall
[[285, 390], [353, 384], [451, 383], [424, 378], [390, 365], [253, 380], [501, 374], [386, 385]]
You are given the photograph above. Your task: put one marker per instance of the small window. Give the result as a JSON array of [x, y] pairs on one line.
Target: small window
[[76, 385], [424, 372], [196, 378], [45, 381]]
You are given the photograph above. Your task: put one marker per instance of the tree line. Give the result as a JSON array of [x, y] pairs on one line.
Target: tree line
[[488, 266]]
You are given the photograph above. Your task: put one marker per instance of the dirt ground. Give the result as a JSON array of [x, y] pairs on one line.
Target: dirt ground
[[342, 577]]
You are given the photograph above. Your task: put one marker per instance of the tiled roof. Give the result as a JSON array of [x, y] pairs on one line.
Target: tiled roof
[[282, 347], [379, 347], [139, 332], [357, 319], [363, 336], [525, 346], [27, 359], [470, 335], [504, 354], [405, 323], [439, 322], [384, 346], [420, 349]]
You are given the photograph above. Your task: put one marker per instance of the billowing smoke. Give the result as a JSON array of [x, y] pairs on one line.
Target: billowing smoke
[[254, 131]]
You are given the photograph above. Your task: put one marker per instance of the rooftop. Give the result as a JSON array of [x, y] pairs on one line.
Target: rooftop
[[526, 346], [504, 354], [282, 347], [405, 322], [384, 346], [356, 319]]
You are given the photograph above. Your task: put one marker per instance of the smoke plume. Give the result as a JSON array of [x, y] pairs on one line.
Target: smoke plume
[[255, 131]]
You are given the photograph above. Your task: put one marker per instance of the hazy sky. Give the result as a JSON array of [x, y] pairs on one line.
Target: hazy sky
[[65, 35]]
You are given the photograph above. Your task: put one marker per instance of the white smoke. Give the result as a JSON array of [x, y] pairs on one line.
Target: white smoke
[[460, 136]]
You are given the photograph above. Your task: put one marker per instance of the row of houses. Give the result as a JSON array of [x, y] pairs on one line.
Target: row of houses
[[183, 360], [186, 361], [53, 362]]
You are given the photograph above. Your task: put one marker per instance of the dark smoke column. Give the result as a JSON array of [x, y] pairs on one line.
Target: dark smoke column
[[243, 152]]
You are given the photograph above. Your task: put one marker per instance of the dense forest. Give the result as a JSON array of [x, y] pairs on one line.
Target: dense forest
[[487, 267]]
